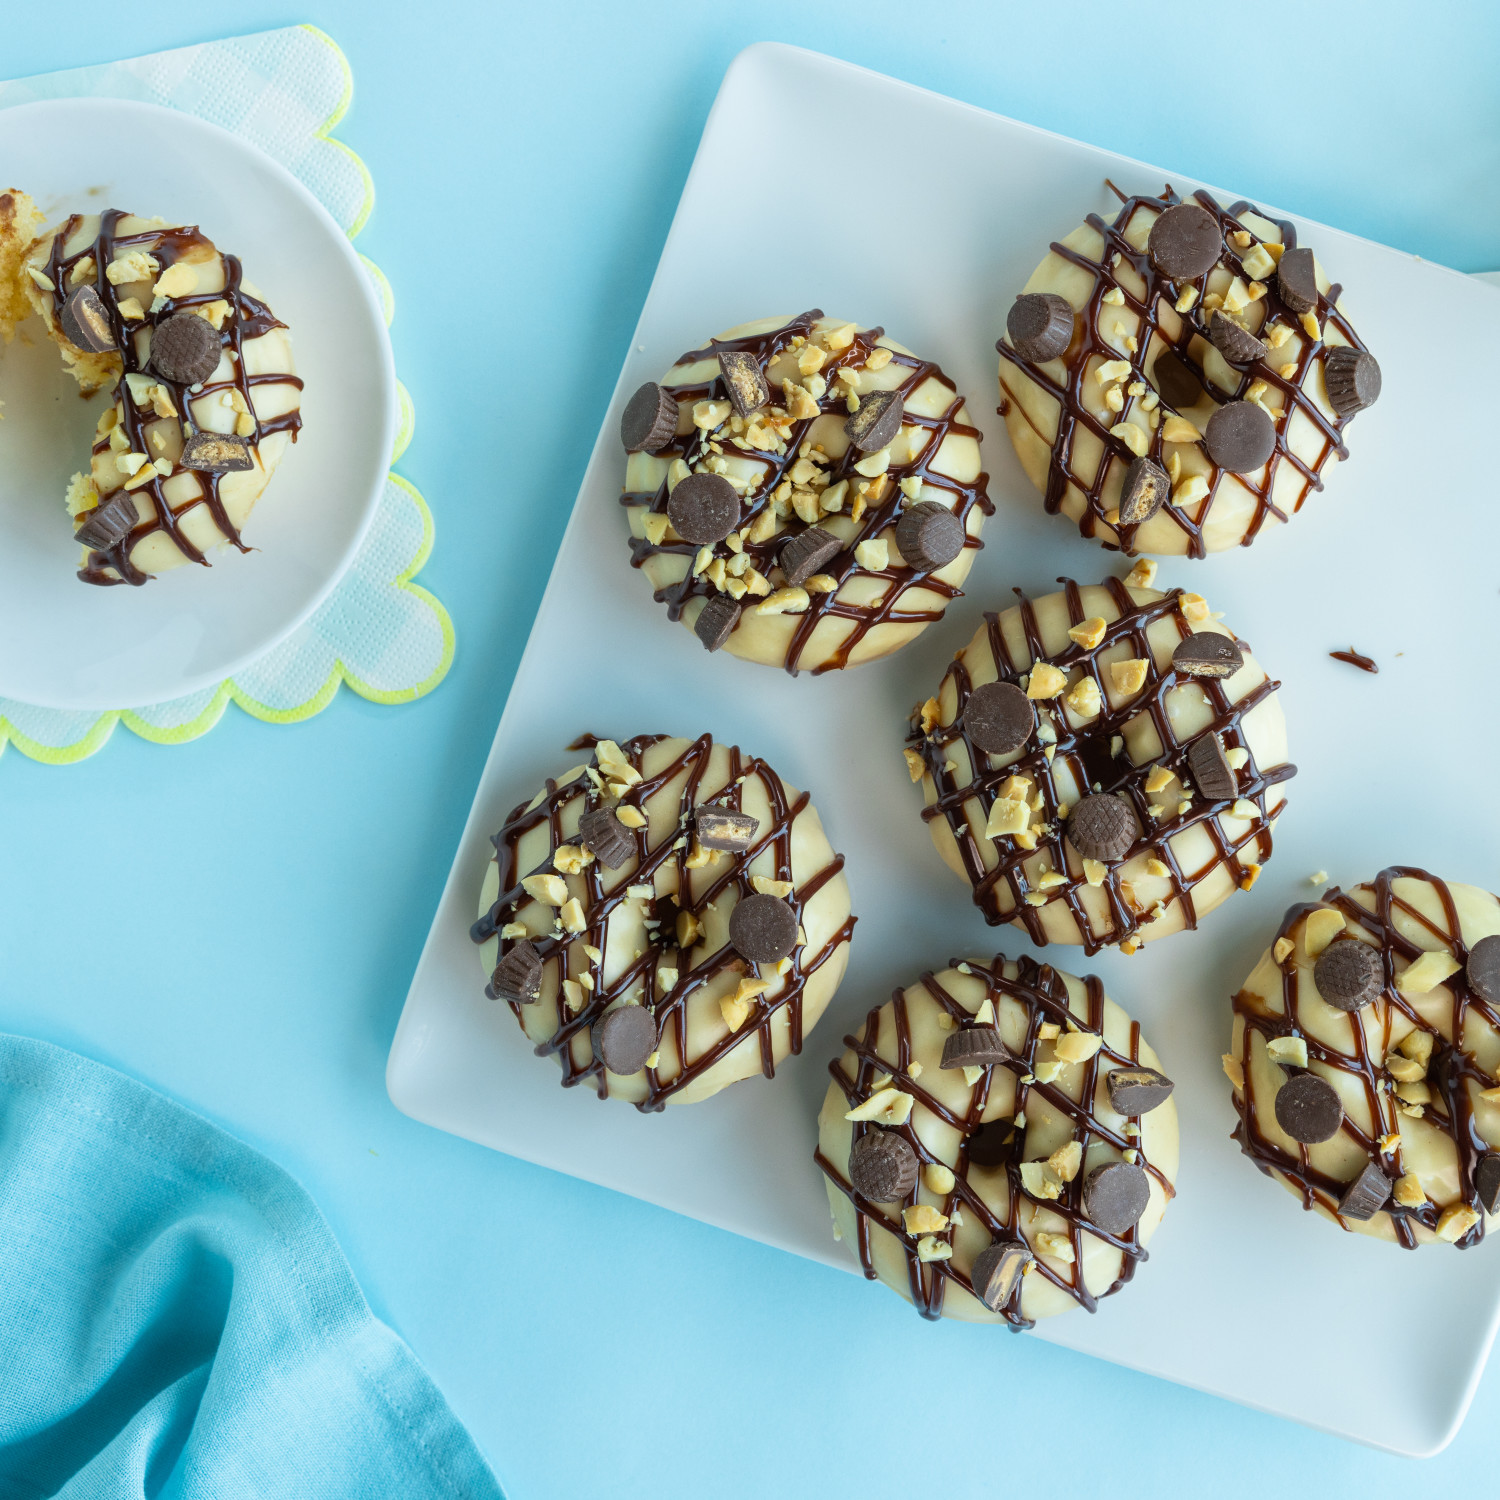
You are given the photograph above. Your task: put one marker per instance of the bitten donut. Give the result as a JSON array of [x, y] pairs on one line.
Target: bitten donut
[[1178, 380], [1102, 765], [665, 919], [1365, 1058], [206, 395], [803, 492], [998, 1143]]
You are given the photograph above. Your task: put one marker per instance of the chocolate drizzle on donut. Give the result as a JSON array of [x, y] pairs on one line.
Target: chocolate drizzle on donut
[[563, 953], [1043, 993], [698, 446], [1087, 750], [248, 318], [1075, 416], [1450, 1072]]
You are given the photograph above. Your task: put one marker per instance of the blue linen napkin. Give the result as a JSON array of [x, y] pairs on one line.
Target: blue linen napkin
[[177, 1319]]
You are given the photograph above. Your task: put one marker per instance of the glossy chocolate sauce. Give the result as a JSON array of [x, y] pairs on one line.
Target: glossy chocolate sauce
[[1043, 994], [1089, 345], [1355, 659], [695, 447], [248, 318], [603, 891], [1000, 892]]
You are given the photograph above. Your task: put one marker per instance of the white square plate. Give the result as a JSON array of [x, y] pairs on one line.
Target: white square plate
[[1244, 1295]]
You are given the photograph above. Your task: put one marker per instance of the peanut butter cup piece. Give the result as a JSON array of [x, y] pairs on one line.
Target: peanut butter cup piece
[[1487, 1182], [1238, 345], [85, 322], [1206, 653], [806, 553], [624, 1038], [975, 1047], [882, 1166], [719, 828], [649, 421], [716, 622], [703, 509], [518, 976], [997, 1269], [999, 717], [216, 453], [1115, 1196], [610, 841], [1102, 827], [1366, 1195], [991, 1145], [877, 421], [1040, 325], [1484, 969], [1144, 492], [743, 380], [929, 536], [1297, 279], [1308, 1109], [1349, 974], [184, 349], [1137, 1091], [1185, 241], [1174, 379], [110, 523], [1240, 437], [1212, 773], [1353, 379], [763, 928]]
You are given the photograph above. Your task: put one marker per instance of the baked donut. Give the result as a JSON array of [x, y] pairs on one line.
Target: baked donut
[[665, 919], [1102, 765], [802, 492], [1365, 1058], [1177, 381], [998, 1143], [206, 396]]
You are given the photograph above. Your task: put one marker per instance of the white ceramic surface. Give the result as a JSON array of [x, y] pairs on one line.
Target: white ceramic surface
[[67, 645], [1244, 1295]]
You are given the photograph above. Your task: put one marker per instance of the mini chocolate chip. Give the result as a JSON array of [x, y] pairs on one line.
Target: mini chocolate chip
[[518, 976], [1207, 653], [1040, 325], [216, 453], [718, 828], [110, 523], [716, 622], [1366, 1195], [877, 421], [85, 322], [1185, 241], [743, 380], [1212, 773], [1487, 1182], [1115, 1196], [975, 1047], [997, 1269], [1353, 379], [929, 536], [185, 349], [624, 1038], [1144, 492], [649, 421], [763, 928], [1297, 277], [1175, 379], [703, 509], [1137, 1091], [1484, 969], [992, 1145], [611, 842], [1102, 827], [1240, 437], [1238, 345], [999, 717], [1349, 974], [805, 553], [882, 1166], [1308, 1109]]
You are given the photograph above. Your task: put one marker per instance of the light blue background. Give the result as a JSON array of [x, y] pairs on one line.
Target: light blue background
[[236, 921]]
